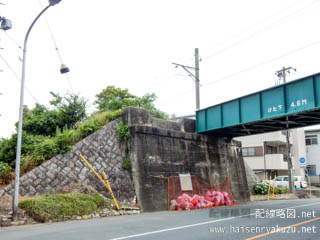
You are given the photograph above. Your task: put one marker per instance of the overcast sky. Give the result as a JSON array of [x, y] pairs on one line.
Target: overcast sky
[[132, 44]]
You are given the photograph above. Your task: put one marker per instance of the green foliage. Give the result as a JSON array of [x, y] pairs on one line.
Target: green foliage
[[110, 116], [67, 111], [40, 121], [88, 127], [8, 146], [261, 187], [51, 207], [48, 132], [4, 168], [8, 149], [123, 135], [66, 139], [126, 164], [281, 190], [147, 102], [112, 98], [123, 131], [27, 163], [71, 108], [46, 150], [6, 173]]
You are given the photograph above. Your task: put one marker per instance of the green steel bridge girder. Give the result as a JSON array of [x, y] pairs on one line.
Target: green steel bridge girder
[[290, 105]]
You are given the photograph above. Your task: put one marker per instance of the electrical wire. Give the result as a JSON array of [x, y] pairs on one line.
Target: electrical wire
[[16, 75], [15, 43], [12, 40], [56, 47], [260, 31], [262, 63], [246, 69]]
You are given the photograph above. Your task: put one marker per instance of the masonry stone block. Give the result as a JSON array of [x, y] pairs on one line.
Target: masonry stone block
[[156, 147]]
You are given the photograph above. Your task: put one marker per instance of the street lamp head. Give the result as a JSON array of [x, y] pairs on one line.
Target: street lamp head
[[6, 24], [64, 69], [54, 2]]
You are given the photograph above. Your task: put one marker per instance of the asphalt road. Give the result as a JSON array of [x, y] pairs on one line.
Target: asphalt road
[[294, 219]]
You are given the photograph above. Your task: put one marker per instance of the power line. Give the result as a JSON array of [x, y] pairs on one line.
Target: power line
[[263, 63], [56, 47], [12, 40], [16, 75], [248, 68], [260, 31]]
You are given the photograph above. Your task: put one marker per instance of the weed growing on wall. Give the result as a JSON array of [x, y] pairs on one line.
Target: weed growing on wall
[[123, 135]]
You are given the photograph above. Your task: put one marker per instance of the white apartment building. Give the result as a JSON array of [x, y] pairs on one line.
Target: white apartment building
[[313, 154], [266, 153]]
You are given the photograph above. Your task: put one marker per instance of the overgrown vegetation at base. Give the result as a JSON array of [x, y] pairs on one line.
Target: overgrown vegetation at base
[[51, 131], [51, 207]]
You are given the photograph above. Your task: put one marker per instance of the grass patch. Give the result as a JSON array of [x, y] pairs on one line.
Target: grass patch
[[50, 207]]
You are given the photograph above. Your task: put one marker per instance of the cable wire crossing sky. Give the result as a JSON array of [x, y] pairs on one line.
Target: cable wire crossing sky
[[132, 44]]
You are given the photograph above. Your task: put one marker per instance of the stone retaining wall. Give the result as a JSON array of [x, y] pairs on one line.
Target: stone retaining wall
[[102, 149]]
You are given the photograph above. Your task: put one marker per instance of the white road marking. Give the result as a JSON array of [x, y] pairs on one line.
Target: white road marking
[[197, 224]]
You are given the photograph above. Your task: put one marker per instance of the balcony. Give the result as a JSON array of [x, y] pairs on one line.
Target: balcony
[[276, 162], [273, 162]]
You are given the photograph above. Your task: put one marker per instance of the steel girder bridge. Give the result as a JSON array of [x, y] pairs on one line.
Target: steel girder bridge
[[290, 105]]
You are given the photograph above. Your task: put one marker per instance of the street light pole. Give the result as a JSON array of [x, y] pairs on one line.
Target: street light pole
[[18, 153]]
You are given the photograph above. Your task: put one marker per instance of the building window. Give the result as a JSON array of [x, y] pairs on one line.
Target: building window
[[252, 151], [312, 170], [312, 140]]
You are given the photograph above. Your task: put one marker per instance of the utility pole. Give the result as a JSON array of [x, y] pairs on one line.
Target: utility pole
[[282, 75], [194, 76], [197, 80]]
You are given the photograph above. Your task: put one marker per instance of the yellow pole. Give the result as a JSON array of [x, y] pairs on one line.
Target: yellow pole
[[269, 187], [274, 186], [98, 176], [110, 190]]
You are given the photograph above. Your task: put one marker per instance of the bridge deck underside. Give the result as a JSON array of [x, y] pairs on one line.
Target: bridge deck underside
[[302, 119]]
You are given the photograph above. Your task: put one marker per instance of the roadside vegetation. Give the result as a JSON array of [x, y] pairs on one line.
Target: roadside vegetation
[[261, 188], [48, 131], [51, 207]]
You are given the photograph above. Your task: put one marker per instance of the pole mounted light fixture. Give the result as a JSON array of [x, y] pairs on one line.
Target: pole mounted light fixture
[[18, 153], [6, 24], [54, 2]]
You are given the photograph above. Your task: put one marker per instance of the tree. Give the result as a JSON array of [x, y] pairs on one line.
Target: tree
[[111, 99], [71, 109], [67, 111], [40, 121], [147, 102]]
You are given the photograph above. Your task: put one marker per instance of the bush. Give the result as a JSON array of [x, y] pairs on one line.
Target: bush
[[6, 174], [123, 131], [66, 139], [88, 127], [261, 187], [110, 116], [8, 146], [281, 190], [27, 163], [45, 150], [4, 168], [50, 207]]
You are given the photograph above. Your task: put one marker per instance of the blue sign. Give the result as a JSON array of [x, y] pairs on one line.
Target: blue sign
[[302, 160]]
